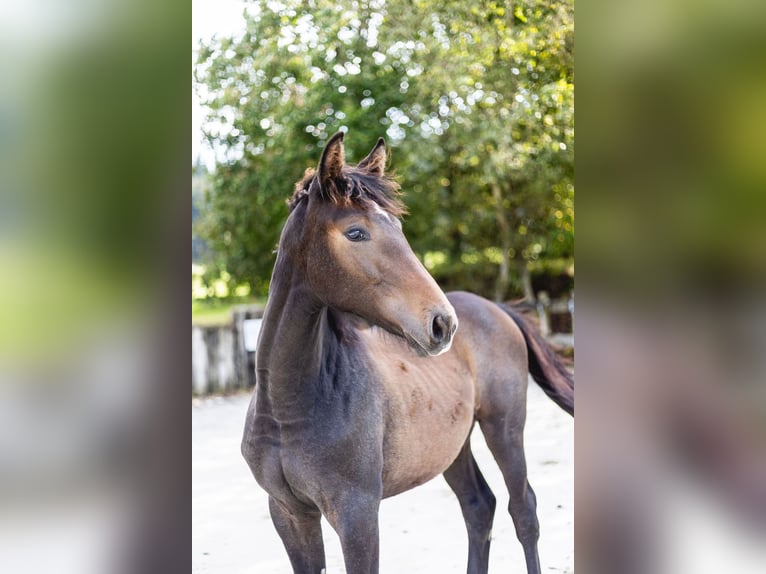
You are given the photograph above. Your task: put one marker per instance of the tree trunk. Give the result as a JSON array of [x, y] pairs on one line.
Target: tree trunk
[[503, 276], [526, 281]]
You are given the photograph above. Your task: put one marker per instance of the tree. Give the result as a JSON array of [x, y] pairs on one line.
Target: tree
[[476, 103], [200, 179]]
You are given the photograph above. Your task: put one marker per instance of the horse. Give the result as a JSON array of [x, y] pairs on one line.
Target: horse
[[369, 379]]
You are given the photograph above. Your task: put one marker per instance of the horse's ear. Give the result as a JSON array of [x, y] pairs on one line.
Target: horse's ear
[[332, 159], [375, 162]]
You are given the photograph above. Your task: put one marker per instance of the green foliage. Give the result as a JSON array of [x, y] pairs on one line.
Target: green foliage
[[475, 100]]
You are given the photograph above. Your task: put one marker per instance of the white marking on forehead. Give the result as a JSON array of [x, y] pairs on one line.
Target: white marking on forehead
[[391, 218], [379, 209]]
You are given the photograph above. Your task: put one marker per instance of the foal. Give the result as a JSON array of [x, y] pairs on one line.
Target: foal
[[367, 388]]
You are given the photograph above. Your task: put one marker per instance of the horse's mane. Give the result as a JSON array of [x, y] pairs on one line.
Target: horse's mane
[[354, 186]]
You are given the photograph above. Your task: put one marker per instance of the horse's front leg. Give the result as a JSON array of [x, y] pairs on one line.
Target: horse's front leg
[[301, 533], [355, 519]]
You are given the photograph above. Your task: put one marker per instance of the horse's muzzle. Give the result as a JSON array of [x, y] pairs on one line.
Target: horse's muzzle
[[442, 329]]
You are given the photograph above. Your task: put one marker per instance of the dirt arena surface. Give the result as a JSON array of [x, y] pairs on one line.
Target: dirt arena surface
[[421, 531]]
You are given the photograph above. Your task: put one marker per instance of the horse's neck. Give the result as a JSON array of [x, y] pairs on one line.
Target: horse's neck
[[291, 348]]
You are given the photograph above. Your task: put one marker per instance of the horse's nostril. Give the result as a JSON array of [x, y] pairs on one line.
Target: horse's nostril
[[440, 328]]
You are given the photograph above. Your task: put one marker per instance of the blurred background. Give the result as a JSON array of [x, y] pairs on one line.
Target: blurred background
[[94, 147], [671, 379]]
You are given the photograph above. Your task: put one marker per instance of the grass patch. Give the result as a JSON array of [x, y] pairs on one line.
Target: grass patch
[[218, 311]]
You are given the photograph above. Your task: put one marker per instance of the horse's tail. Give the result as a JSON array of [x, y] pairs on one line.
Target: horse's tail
[[545, 366]]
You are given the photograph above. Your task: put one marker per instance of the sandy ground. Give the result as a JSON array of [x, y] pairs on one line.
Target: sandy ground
[[422, 531]]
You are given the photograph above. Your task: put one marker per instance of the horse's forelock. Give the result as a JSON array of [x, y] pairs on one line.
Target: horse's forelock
[[354, 186]]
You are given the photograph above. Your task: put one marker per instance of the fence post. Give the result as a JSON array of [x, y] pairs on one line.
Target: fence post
[[245, 359], [543, 308]]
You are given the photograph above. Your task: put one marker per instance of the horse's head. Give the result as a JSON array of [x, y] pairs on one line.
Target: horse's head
[[356, 257]]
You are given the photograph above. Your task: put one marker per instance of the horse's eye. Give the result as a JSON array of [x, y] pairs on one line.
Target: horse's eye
[[357, 234]]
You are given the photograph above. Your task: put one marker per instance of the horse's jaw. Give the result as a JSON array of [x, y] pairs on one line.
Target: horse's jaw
[[412, 342], [422, 351]]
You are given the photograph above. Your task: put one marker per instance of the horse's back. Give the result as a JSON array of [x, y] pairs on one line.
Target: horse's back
[[486, 332]]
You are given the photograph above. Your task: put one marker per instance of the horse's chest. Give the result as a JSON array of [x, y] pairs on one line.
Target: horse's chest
[[310, 461], [263, 447], [283, 470]]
